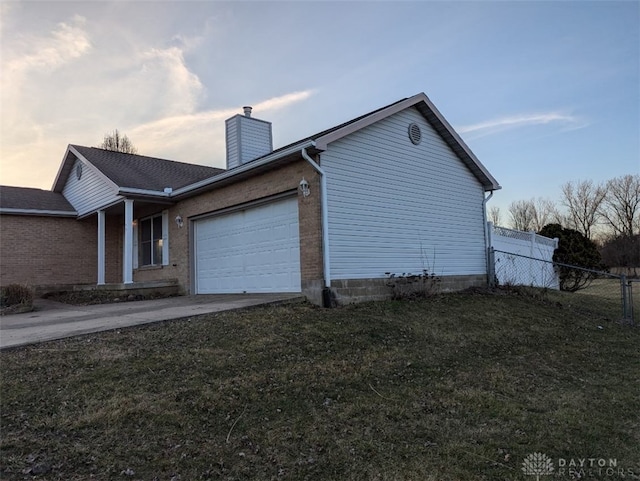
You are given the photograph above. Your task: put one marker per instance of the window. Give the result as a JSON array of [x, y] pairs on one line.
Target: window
[[152, 250]]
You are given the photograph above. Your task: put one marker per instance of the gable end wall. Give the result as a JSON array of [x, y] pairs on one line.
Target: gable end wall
[[88, 193], [400, 208]]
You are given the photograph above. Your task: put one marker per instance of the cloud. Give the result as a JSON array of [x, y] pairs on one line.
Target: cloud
[[25, 58], [84, 77], [64, 44], [199, 137], [566, 122]]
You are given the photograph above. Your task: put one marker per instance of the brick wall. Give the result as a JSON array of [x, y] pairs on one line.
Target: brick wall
[[265, 185], [114, 240], [47, 250]]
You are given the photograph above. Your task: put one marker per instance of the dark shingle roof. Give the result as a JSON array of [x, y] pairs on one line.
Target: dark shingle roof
[[26, 198], [142, 172]]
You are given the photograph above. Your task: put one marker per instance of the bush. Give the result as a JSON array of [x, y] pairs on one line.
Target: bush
[[16, 295], [412, 286], [574, 249]]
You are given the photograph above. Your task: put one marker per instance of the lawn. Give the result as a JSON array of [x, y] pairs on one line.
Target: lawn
[[455, 387]]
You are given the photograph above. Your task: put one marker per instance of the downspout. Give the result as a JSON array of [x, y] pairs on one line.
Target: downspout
[[326, 293], [486, 239]]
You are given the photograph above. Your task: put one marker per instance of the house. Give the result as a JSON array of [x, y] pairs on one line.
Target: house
[[395, 190]]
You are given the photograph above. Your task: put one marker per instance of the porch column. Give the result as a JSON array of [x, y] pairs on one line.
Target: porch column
[[101, 247], [127, 262]]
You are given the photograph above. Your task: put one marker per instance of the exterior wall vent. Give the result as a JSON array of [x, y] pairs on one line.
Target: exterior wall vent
[[415, 134], [247, 138]]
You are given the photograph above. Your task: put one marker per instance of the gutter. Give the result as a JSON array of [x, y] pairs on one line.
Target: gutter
[[487, 236], [325, 226], [152, 193], [40, 212]]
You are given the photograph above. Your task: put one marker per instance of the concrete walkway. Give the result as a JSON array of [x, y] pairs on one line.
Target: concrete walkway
[[54, 320]]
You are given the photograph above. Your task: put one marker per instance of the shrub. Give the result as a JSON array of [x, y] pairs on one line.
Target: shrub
[[412, 286], [16, 295], [574, 249]]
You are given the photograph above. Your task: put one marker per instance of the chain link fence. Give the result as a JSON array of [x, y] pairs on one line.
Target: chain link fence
[[609, 295]]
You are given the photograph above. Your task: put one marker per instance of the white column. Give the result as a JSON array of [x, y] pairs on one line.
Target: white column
[[101, 247], [127, 262]]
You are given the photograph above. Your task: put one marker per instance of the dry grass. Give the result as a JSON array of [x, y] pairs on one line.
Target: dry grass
[[456, 387]]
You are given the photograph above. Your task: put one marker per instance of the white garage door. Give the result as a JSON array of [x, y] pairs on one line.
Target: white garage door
[[253, 250]]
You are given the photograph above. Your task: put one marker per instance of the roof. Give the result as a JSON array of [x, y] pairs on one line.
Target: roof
[[34, 201], [151, 175], [136, 171], [428, 110]]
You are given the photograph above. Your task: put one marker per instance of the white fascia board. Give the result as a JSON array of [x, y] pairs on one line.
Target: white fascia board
[[134, 191], [58, 184], [41, 212], [494, 185], [416, 100], [322, 142], [119, 200], [111, 183], [243, 168], [60, 171]]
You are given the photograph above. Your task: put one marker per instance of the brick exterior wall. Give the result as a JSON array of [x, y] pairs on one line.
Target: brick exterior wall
[[114, 240], [38, 250], [262, 186]]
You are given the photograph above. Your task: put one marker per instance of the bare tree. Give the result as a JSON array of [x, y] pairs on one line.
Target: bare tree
[[620, 206], [582, 200], [118, 143], [495, 215], [544, 212], [532, 214], [522, 215]]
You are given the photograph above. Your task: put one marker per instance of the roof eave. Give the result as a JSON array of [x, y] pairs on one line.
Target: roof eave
[[58, 183], [38, 212], [455, 142], [433, 115], [229, 175], [65, 168]]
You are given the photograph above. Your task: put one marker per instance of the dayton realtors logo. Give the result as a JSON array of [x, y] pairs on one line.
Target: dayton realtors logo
[[539, 464]]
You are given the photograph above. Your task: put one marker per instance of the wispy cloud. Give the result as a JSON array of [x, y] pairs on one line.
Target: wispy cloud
[[146, 89], [562, 120], [198, 136], [67, 42]]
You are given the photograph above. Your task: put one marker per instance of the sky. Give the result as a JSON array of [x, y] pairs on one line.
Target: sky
[[542, 92]]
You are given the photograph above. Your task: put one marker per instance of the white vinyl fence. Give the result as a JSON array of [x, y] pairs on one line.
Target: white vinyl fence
[[523, 258]]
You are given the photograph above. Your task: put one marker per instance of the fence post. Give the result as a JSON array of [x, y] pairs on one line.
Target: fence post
[[625, 299], [491, 270], [630, 291]]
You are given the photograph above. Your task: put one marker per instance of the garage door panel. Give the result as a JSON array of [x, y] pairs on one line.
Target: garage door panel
[[254, 250]]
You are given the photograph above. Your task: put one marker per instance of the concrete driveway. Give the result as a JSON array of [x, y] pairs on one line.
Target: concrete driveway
[[54, 320]]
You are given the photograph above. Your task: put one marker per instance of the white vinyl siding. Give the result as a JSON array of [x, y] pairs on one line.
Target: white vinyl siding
[[90, 192], [247, 139], [398, 207]]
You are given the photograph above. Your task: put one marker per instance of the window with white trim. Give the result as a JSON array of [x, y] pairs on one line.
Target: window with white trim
[[153, 241]]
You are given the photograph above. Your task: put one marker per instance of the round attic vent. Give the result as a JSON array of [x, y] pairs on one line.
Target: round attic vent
[[415, 134]]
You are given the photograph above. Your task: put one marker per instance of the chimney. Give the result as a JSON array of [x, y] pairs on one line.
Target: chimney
[[247, 138]]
